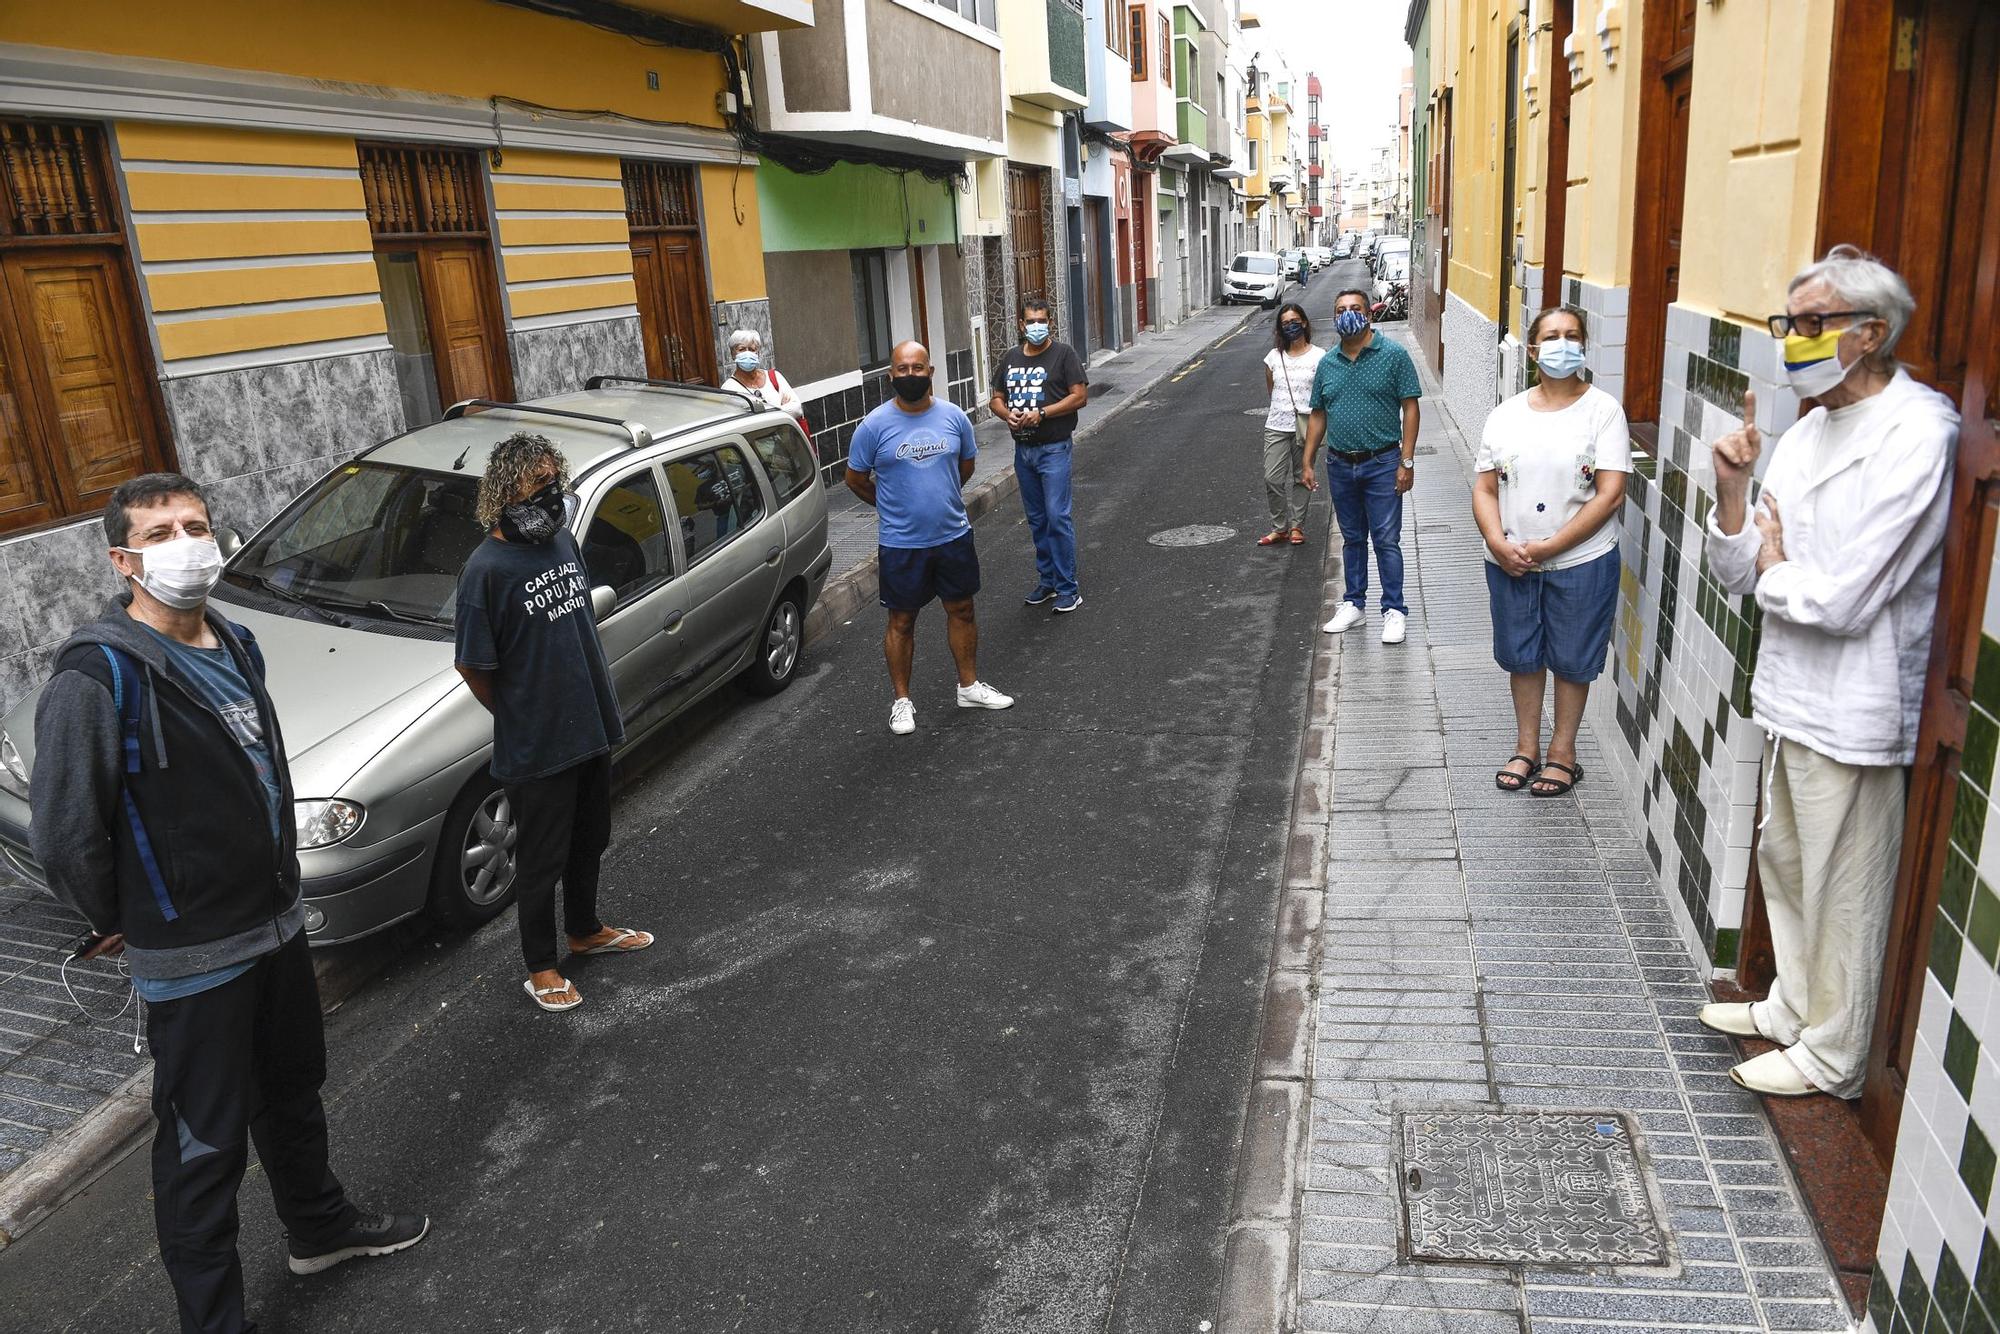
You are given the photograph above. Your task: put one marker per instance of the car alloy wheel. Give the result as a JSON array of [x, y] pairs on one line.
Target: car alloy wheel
[[781, 640], [486, 864]]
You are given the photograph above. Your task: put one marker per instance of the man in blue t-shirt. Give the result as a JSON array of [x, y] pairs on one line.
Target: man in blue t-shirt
[[910, 459]]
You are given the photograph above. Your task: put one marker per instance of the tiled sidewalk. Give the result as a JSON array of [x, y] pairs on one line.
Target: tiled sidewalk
[[1487, 947]]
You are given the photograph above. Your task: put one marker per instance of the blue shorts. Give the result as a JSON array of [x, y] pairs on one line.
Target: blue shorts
[[1555, 619], [910, 577]]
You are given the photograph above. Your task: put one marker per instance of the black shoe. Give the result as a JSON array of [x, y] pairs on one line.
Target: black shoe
[[371, 1234], [1042, 593]]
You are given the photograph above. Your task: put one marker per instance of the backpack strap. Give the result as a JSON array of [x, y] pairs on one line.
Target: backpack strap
[[129, 706]]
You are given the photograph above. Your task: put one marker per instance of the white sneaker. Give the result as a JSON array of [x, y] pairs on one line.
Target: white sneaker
[[979, 695], [902, 717], [1392, 627], [1346, 618]]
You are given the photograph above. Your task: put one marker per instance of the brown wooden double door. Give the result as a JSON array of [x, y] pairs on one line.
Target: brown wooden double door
[[1026, 227], [673, 305], [444, 316]]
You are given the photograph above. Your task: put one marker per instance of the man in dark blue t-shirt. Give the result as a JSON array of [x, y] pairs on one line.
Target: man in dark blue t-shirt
[[528, 649], [910, 459]]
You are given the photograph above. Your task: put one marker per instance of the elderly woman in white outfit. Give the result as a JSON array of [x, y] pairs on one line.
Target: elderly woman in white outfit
[[748, 375], [1842, 553]]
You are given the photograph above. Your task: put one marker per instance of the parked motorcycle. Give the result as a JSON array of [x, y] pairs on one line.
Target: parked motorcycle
[[1395, 306]]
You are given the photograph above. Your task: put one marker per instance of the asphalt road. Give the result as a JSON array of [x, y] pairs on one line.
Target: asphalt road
[[948, 1032]]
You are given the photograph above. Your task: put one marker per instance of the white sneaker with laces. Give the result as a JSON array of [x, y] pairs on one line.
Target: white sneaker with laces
[[1393, 628], [902, 717], [1345, 619], [979, 695]]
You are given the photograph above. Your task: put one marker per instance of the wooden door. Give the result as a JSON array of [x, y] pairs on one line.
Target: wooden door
[[1142, 212], [1025, 224], [1916, 180], [1666, 87], [673, 306], [1555, 182], [464, 316], [81, 369], [655, 329], [1505, 231]]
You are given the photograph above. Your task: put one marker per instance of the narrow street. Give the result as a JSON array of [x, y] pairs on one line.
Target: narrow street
[[949, 1032]]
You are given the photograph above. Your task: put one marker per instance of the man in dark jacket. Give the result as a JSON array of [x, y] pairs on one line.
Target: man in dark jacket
[[163, 814]]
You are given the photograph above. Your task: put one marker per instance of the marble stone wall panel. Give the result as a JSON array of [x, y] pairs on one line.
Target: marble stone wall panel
[[557, 360], [229, 423]]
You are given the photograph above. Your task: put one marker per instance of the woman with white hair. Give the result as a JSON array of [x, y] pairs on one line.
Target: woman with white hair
[[761, 384], [1842, 553]]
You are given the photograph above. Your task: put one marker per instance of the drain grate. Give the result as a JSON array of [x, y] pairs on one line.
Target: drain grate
[[1526, 1187], [1194, 535]]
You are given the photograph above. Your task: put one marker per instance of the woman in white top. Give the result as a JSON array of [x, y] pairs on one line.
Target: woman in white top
[[749, 377], [1552, 465], [1288, 379]]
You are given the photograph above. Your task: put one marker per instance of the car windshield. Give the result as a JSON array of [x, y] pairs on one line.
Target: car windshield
[[1396, 267], [1254, 264], [370, 537]]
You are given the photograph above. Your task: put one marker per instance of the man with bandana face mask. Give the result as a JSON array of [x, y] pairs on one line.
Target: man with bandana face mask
[[528, 650], [1841, 551], [163, 814]]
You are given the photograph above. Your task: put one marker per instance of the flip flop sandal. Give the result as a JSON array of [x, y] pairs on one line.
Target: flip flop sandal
[[1271, 539], [1556, 787], [1298, 537], [538, 995], [624, 940], [1500, 778]]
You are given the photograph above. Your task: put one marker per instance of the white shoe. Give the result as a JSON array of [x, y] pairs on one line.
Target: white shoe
[[1773, 1074], [1392, 627], [902, 717], [979, 695], [1346, 618], [1734, 1020]]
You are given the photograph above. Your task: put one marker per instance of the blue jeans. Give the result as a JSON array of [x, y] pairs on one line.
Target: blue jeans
[[1044, 472], [1368, 508]]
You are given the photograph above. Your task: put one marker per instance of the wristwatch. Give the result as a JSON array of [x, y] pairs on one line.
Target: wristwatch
[[1410, 462]]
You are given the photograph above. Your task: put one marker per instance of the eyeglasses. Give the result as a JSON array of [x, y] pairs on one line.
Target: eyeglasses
[[1811, 324]]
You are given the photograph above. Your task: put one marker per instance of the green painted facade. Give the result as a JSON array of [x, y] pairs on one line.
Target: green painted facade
[[1066, 47], [853, 207]]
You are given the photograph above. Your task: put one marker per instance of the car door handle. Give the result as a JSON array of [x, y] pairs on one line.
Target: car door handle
[[673, 622], [771, 556]]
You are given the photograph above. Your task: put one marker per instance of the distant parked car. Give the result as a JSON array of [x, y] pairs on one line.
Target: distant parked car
[[1253, 276], [1344, 247], [1290, 262], [1384, 248], [1393, 272], [1321, 255], [703, 528]]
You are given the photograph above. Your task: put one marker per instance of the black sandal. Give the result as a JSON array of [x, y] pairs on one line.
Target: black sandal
[[1556, 787], [1520, 780]]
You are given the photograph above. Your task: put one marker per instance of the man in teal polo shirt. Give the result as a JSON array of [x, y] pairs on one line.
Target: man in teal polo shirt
[[1364, 406]]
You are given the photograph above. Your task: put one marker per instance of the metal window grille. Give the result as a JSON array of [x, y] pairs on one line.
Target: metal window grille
[[659, 195], [417, 191], [53, 181]]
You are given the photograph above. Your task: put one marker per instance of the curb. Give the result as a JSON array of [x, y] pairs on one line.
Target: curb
[[847, 592], [72, 1161], [1260, 1256]]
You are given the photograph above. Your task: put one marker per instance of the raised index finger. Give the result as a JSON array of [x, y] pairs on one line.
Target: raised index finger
[[1750, 412]]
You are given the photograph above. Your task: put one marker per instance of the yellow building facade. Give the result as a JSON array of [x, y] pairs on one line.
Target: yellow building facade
[[295, 231]]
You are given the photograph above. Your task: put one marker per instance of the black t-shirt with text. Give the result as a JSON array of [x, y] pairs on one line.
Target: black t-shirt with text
[[524, 615], [1037, 381]]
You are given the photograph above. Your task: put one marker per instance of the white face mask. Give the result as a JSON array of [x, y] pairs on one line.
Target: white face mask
[[180, 571]]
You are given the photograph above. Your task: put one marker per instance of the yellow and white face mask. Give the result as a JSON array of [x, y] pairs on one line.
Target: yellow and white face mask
[[1813, 364]]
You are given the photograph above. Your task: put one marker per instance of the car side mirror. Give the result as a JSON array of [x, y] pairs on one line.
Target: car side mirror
[[228, 540], [602, 599]]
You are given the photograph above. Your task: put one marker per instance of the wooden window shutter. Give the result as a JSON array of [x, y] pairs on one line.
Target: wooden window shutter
[[412, 190], [53, 181]]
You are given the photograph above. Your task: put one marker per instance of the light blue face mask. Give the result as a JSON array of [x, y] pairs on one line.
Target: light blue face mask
[[748, 361], [1558, 358], [1037, 332]]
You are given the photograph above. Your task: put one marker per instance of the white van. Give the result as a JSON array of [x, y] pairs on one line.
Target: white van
[[1254, 276]]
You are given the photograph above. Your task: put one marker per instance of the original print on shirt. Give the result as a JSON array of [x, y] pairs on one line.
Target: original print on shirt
[[557, 593]]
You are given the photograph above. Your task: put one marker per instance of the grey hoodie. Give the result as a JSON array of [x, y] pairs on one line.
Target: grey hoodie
[[237, 895]]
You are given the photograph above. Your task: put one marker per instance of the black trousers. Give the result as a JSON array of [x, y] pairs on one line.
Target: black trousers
[[563, 825], [246, 1058]]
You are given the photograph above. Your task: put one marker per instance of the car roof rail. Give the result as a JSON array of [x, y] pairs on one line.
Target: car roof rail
[[640, 436], [678, 386]]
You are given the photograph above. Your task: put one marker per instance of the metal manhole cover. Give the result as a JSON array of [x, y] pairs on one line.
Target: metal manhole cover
[[1194, 535], [1528, 1187]]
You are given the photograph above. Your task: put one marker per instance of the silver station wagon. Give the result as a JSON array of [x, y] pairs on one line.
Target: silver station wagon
[[702, 522]]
